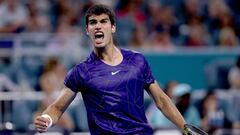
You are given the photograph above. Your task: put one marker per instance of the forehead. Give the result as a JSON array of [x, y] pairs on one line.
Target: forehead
[[98, 17]]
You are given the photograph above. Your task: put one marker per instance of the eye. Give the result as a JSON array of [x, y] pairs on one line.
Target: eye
[[104, 21], [92, 22]]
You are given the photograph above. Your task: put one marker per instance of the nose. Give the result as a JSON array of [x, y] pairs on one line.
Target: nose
[[98, 26]]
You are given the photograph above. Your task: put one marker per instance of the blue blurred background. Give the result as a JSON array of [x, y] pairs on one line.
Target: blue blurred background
[[192, 47]]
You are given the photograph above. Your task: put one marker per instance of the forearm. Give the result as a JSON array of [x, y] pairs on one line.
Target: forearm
[[54, 112], [56, 109], [166, 106], [172, 113]]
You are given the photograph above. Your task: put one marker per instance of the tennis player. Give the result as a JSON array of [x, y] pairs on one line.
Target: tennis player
[[112, 82]]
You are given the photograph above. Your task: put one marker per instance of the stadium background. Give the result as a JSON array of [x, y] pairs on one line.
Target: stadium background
[[189, 41]]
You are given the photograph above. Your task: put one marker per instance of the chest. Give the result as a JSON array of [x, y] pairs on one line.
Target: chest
[[102, 78]]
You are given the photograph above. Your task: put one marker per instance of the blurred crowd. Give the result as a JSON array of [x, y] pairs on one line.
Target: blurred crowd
[[160, 25]]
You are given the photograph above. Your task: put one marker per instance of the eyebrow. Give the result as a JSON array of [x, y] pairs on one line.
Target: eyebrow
[[105, 19], [93, 20]]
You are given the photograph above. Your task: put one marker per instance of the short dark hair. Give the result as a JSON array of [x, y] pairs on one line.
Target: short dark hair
[[98, 10]]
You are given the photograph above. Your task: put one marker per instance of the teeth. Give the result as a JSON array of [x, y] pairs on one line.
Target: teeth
[[99, 35]]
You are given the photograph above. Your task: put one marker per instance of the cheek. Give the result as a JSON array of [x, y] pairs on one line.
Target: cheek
[[89, 30], [110, 30], [108, 35]]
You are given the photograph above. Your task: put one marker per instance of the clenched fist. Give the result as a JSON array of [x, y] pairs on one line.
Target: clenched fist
[[42, 123]]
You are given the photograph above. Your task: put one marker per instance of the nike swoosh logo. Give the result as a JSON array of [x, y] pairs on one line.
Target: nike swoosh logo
[[114, 73]]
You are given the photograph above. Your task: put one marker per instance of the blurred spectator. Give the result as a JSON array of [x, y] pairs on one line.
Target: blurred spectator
[[37, 22], [175, 4], [163, 28], [216, 8], [234, 108], [160, 40], [13, 16], [197, 34], [43, 6], [220, 21], [169, 21], [131, 8], [156, 117], [234, 75], [62, 9], [181, 96], [67, 43], [51, 82], [212, 116], [128, 13], [190, 8], [228, 38], [227, 35], [138, 39], [153, 9]]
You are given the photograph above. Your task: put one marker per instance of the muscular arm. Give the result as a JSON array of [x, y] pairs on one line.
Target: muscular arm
[[55, 110], [165, 105]]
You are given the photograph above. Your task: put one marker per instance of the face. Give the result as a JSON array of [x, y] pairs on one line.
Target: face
[[100, 30]]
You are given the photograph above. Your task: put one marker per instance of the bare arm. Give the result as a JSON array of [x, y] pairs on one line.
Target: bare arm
[[166, 106], [55, 110]]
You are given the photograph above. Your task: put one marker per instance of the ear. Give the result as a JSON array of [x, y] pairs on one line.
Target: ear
[[87, 32], [113, 28]]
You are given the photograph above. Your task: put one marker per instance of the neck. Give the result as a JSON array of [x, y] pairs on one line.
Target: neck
[[106, 53], [109, 54]]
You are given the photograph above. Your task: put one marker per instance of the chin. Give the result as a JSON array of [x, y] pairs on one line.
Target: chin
[[99, 45]]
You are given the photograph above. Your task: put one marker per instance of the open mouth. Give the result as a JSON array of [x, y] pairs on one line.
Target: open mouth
[[99, 37]]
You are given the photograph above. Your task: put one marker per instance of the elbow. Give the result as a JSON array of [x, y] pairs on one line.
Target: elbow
[[163, 103], [159, 105]]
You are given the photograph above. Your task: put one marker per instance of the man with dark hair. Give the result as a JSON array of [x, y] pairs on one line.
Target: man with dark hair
[[98, 10], [112, 82]]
